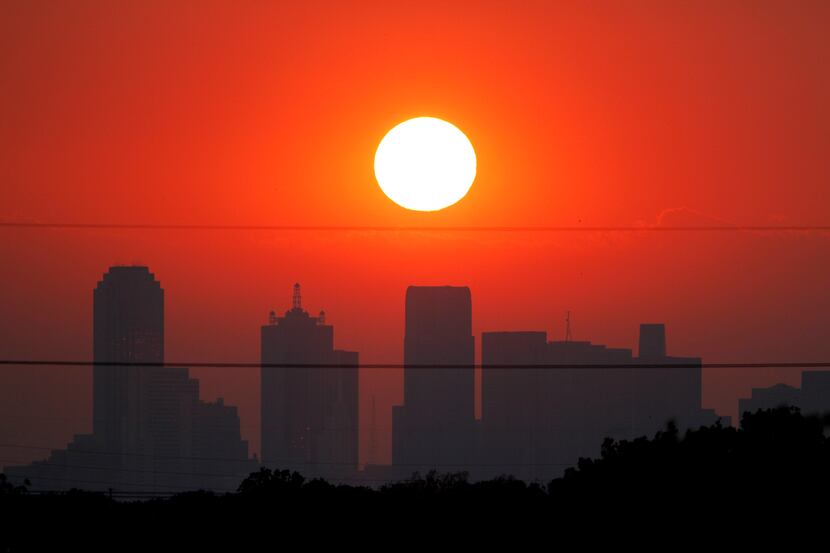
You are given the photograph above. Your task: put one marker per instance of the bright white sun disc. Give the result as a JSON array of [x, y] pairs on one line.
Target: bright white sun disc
[[425, 164]]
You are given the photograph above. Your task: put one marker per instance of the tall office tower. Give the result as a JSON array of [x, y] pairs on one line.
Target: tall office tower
[[435, 427], [128, 327], [512, 402], [150, 430], [536, 422], [652, 341], [815, 392], [672, 390], [309, 413]]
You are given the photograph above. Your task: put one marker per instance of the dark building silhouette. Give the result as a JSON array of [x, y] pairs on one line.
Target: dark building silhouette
[[515, 410], [538, 421], [150, 430], [815, 392], [309, 414], [652, 341], [672, 390], [128, 327], [813, 397], [435, 427]]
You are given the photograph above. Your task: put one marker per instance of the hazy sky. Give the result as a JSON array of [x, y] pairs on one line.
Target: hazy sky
[[595, 113]]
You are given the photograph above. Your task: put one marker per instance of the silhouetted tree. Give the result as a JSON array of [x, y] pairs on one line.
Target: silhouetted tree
[[9, 489], [776, 455], [268, 482], [775, 462]]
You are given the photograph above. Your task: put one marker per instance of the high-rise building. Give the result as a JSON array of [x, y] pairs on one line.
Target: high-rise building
[[128, 327], [815, 392], [537, 421], [670, 387], [150, 430], [652, 341], [513, 401], [309, 396], [435, 427]]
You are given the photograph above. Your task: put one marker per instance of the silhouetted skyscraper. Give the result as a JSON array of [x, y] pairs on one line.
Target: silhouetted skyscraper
[[514, 401], [435, 426], [652, 341], [309, 414], [535, 422], [128, 327], [150, 430], [815, 392]]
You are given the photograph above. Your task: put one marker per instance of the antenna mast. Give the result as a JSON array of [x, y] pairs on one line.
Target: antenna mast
[[568, 335], [296, 301]]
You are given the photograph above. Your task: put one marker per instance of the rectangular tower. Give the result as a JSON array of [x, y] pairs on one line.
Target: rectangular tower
[[436, 424], [511, 400]]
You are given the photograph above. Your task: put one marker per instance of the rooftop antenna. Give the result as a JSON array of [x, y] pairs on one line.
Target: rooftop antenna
[[296, 301], [568, 335]]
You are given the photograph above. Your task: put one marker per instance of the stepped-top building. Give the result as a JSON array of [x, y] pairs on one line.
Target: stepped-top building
[[812, 397], [535, 422], [150, 430], [309, 396]]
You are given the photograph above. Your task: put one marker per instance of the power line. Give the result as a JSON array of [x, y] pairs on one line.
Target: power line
[[175, 489], [128, 454], [108, 482], [667, 364], [355, 479], [178, 490], [421, 228], [120, 469], [116, 494], [286, 462]]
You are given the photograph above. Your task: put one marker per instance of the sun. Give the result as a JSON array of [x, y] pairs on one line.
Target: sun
[[425, 164]]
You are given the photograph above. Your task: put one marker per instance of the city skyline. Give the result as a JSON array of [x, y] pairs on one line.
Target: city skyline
[[278, 264], [151, 432], [129, 335], [647, 162]]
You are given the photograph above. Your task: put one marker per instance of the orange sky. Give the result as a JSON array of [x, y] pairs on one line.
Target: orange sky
[[609, 113]]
